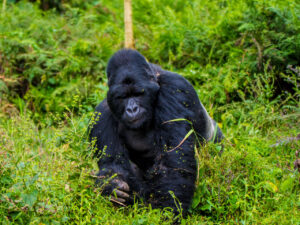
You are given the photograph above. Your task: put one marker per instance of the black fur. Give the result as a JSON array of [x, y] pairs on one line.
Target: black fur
[[146, 153]]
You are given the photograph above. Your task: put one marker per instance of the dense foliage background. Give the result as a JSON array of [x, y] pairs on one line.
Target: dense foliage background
[[243, 58]]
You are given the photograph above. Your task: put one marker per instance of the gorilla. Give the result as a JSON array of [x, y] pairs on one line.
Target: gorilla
[[142, 135]]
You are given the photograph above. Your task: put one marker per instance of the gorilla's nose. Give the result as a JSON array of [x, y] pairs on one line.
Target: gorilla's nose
[[132, 110]]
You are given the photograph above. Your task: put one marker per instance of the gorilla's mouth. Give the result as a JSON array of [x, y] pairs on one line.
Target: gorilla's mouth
[[135, 123], [139, 119], [134, 120]]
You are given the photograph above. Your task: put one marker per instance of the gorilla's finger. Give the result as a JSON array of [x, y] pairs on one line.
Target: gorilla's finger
[[122, 185], [119, 201], [122, 194]]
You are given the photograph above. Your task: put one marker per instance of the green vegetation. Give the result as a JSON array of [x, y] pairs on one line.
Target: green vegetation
[[241, 56]]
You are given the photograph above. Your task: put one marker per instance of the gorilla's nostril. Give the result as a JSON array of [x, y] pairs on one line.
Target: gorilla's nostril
[[132, 111], [135, 109], [129, 110]]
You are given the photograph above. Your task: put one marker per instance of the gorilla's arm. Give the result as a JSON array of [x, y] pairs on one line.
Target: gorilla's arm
[[115, 169], [205, 127], [174, 171], [175, 168], [175, 165]]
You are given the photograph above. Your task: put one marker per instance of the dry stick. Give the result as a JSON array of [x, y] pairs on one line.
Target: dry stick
[[128, 24]]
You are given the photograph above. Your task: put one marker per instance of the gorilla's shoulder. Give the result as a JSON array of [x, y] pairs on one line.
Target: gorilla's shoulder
[[103, 106], [176, 98], [174, 83], [104, 115]]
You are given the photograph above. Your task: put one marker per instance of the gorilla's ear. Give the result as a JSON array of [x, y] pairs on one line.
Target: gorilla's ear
[[150, 72], [154, 71]]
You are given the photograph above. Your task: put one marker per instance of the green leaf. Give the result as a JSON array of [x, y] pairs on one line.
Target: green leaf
[[30, 198]]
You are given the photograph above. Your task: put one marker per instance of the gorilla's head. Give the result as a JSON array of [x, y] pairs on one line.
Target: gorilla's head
[[132, 89]]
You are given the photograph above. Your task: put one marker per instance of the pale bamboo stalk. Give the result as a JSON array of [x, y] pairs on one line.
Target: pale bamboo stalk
[[129, 43], [3, 6]]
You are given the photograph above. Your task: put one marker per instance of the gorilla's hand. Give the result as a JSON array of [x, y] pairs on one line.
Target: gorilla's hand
[[120, 194]]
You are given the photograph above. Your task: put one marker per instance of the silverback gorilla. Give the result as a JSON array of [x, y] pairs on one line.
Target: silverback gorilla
[[141, 148]]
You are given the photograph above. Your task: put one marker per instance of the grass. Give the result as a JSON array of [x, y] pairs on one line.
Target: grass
[[47, 175]]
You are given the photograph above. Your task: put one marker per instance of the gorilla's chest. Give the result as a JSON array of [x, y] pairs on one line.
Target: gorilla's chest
[[139, 141], [140, 146]]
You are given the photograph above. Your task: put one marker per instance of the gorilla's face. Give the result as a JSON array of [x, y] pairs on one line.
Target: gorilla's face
[[131, 97]]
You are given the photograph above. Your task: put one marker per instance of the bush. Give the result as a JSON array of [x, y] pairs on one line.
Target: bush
[[233, 50]]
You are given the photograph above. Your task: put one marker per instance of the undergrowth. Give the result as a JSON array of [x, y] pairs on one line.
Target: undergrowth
[[47, 174]]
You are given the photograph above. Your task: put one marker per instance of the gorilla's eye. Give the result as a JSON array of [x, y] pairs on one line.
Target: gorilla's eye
[[127, 81], [139, 93], [121, 96]]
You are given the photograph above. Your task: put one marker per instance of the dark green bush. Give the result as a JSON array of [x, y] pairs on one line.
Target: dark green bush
[[234, 50]]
